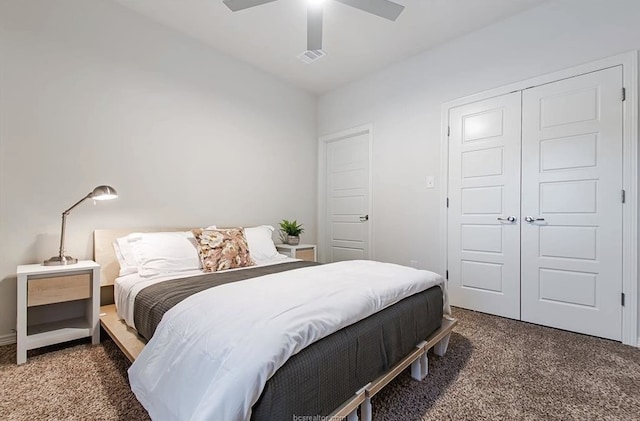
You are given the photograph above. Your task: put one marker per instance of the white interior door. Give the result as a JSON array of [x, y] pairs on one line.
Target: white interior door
[[347, 184], [571, 188], [484, 206]]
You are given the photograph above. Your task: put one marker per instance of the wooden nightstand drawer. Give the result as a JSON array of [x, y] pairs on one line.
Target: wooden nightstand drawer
[[307, 254], [58, 289], [299, 251]]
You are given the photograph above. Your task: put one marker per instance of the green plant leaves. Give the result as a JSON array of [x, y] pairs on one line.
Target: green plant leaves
[[291, 227]]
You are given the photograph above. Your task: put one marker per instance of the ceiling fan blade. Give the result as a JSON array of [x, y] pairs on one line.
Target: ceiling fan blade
[[236, 5], [383, 8], [314, 28]]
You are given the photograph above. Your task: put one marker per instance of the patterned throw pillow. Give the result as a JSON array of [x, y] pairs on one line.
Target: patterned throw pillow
[[221, 249]]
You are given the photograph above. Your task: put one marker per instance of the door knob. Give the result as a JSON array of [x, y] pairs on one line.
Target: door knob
[[364, 218], [532, 219], [509, 219]]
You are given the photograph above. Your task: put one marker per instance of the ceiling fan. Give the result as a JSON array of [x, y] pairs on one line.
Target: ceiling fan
[[383, 8]]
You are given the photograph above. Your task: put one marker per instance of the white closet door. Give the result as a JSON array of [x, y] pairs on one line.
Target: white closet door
[[484, 193], [571, 187]]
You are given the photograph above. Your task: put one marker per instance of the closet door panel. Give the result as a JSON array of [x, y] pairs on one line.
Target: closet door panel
[[571, 190], [484, 190]]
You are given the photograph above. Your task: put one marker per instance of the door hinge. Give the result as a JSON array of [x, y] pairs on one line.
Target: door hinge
[[624, 196], [624, 94], [448, 130], [622, 299], [447, 202], [446, 276]]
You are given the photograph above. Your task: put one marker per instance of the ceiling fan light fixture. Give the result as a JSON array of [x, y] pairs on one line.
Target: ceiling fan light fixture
[[386, 9]]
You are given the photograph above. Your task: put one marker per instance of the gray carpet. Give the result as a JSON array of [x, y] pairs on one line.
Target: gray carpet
[[495, 369]]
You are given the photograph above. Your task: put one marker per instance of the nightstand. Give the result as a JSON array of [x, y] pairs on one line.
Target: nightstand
[[52, 286], [301, 251]]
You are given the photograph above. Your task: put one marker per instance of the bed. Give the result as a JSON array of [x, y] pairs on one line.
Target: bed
[[364, 355]]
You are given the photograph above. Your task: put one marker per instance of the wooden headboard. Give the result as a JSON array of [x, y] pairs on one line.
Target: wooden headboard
[[105, 255]]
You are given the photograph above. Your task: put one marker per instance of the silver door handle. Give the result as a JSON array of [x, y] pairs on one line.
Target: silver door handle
[[532, 219], [509, 219], [364, 218]]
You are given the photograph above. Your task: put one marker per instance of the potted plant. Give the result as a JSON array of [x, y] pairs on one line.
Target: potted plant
[[290, 232]]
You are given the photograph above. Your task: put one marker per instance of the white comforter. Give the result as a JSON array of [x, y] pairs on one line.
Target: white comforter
[[213, 353]]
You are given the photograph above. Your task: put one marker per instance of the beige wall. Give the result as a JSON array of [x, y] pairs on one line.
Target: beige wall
[[91, 93]]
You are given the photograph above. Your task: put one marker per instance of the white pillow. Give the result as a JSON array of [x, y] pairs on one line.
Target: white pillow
[[164, 252], [260, 242], [125, 256]]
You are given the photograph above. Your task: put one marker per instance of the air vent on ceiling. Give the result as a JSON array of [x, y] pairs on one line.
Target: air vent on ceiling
[[310, 56]]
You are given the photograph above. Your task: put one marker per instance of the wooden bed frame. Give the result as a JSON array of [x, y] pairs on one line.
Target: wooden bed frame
[[132, 344]]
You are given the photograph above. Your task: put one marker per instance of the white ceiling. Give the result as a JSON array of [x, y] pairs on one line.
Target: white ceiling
[[270, 36]]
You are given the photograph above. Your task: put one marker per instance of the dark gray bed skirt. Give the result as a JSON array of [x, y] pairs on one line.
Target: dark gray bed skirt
[[324, 375]]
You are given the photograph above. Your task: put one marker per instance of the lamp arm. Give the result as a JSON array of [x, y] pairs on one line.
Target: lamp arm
[[64, 222], [77, 203]]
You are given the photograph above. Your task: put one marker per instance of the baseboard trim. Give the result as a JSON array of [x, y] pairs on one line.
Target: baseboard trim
[[638, 342], [8, 339]]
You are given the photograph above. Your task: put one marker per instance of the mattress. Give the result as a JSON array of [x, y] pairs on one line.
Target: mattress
[[322, 376], [325, 374]]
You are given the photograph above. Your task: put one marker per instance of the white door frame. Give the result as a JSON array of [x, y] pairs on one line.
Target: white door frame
[[629, 63], [323, 232]]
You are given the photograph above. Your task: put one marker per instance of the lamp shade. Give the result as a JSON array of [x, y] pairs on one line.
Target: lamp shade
[[104, 193]]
